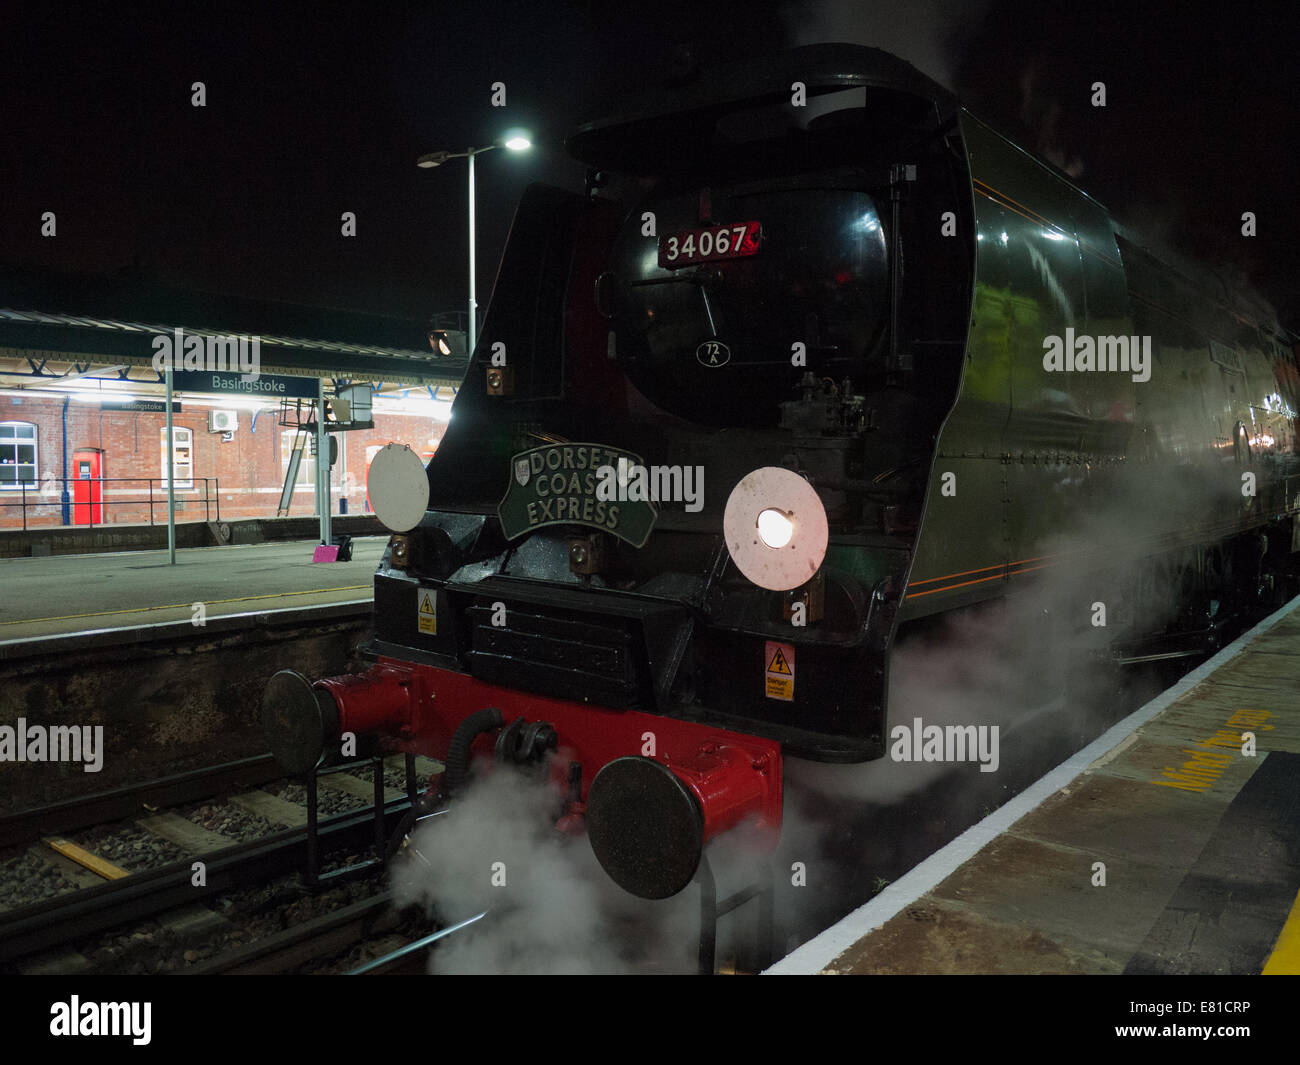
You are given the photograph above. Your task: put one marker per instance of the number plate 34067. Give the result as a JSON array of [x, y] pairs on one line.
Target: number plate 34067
[[734, 241]]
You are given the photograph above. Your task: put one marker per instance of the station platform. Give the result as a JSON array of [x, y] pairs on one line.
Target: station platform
[[1160, 848], [61, 595]]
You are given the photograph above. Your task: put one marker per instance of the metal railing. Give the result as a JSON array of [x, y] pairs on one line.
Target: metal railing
[[29, 495]]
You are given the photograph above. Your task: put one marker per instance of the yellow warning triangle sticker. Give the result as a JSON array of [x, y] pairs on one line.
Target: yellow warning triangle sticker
[[426, 605], [779, 664]]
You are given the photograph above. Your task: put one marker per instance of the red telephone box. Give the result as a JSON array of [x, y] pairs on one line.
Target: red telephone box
[[88, 488]]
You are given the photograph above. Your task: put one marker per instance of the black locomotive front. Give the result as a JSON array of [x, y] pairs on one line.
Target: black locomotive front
[[726, 311]]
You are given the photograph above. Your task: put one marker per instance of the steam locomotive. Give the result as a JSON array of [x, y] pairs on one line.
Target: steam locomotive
[[817, 355]]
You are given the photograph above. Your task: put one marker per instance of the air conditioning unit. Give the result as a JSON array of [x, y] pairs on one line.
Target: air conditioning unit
[[223, 421]]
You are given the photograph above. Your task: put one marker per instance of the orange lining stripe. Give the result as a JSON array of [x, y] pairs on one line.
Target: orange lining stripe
[[1029, 569], [931, 580], [981, 580], [981, 569], [1222, 527], [1007, 206], [932, 591], [1036, 216], [1037, 219]]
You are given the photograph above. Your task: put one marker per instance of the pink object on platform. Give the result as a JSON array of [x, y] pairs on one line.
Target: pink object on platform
[[325, 553]]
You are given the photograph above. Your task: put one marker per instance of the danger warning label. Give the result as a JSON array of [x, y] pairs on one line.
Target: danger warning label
[[426, 614], [779, 675]]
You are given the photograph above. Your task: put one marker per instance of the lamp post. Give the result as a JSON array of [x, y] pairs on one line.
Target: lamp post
[[517, 143]]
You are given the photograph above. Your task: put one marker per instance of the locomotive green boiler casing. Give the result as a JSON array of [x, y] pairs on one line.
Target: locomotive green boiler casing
[[1073, 472]]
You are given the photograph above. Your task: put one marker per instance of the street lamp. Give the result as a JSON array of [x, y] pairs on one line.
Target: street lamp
[[515, 143], [438, 341]]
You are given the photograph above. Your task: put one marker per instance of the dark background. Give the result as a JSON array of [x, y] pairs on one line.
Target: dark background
[[312, 111]]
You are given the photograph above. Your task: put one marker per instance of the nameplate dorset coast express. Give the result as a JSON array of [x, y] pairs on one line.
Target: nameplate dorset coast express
[[575, 484]]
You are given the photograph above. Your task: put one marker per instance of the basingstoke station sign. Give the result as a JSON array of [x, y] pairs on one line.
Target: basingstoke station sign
[[143, 406], [574, 484], [272, 386]]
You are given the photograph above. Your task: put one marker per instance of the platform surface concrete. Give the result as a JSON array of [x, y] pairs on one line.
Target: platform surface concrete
[[67, 594], [1164, 847]]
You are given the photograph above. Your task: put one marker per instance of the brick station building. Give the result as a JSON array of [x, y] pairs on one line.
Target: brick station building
[[80, 400], [235, 473]]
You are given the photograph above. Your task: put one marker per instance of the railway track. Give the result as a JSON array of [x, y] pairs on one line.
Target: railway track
[[206, 863], [71, 815], [309, 941], [126, 900]]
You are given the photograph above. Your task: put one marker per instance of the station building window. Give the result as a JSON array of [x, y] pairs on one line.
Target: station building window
[[182, 455], [17, 455]]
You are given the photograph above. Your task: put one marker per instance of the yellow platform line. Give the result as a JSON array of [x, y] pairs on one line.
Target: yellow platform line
[[186, 606], [81, 856], [1285, 959]]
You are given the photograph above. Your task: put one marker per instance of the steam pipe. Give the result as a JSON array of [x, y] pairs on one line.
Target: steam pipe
[[485, 720]]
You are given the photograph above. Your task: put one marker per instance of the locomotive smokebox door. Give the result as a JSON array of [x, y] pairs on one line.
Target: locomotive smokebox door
[[645, 827]]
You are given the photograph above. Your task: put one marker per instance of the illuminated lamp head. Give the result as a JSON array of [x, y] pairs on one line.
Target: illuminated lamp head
[[775, 527], [438, 342]]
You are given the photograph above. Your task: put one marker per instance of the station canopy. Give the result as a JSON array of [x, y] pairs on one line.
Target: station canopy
[[56, 329]]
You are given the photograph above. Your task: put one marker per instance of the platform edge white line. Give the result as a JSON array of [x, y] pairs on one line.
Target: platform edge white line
[[156, 626], [820, 951]]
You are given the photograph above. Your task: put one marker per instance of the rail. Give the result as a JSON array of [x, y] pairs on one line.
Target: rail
[[54, 922], [92, 510], [19, 827]]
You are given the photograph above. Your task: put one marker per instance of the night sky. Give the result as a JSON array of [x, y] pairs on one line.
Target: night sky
[[313, 111]]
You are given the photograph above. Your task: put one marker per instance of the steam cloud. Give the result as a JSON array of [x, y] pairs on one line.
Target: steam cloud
[[927, 33], [557, 913], [1002, 663], [1041, 114]]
